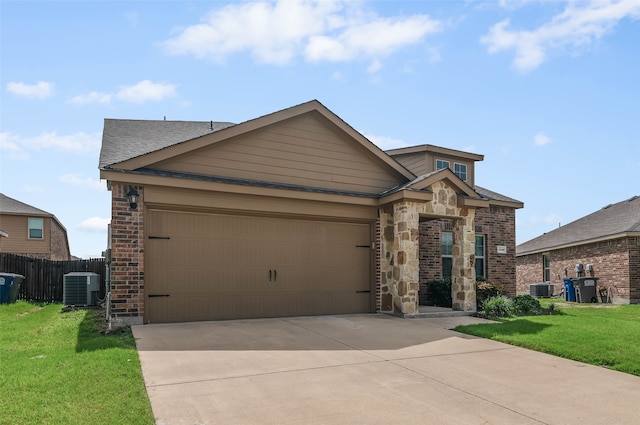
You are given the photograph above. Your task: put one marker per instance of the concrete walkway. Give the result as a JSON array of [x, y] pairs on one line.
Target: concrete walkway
[[368, 369]]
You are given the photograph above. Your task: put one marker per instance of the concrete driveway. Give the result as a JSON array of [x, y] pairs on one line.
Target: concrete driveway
[[368, 369]]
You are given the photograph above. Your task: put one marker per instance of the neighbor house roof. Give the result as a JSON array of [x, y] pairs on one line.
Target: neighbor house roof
[[612, 221], [13, 206]]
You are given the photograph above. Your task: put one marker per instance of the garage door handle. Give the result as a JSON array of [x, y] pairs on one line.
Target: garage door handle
[[275, 275], [158, 295], [269, 275], [363, 292]]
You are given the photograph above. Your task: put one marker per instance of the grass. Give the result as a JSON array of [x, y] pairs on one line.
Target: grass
[[602, 335], [59, 368]]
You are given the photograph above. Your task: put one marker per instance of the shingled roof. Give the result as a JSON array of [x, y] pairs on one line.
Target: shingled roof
[[612, 221], [13, 206], [126, 139]]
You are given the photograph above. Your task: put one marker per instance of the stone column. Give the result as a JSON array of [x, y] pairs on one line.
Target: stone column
[[463, 293], [406, 251]]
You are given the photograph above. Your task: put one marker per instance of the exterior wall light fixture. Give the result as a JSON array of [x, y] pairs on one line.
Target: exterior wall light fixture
[[132, 197]]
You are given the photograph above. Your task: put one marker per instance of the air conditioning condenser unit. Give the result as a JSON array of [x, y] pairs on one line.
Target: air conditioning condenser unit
[[541, 290], [81, 288]]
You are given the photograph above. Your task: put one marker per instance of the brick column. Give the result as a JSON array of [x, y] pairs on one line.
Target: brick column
[[127, 257]]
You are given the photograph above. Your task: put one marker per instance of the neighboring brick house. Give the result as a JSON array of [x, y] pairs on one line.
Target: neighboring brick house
[[31, 232], [292, 213], [606, 243]]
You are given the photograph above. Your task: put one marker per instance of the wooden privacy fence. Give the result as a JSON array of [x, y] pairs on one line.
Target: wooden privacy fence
[[44, 278]]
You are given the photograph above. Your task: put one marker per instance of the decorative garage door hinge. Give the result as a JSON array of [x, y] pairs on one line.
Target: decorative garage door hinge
[[372, 246], [159, 237], [158, 295]]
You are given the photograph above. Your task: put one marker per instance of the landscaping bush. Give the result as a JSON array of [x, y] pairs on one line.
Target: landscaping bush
[[526, 304], [440, 292], [486, 290], [499, 306]]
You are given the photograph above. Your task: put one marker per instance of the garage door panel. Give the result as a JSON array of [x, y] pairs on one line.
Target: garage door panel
[[224, 267]]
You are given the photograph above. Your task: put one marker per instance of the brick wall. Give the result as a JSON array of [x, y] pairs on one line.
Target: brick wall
[[127, 258], [498, 224], [59, 243], [615, 262]]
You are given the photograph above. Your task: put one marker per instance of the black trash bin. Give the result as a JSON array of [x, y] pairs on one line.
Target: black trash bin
[[9, 287], [586, 287]]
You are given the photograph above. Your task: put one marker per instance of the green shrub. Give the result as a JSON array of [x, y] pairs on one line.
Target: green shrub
[[486, 290], [526, 304], [440, 292], [499, 306]]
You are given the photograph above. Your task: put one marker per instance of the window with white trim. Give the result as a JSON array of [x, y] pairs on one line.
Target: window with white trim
[[36, 228], [441, 164], [481, 270], [460, 170], [546, 267], [446, 251]]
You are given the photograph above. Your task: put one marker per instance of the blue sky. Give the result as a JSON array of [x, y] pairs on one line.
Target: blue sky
[[548, 91]]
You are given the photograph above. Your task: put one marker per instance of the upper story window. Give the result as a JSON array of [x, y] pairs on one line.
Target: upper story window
[[36, 228], [460, 170], [441, 164]]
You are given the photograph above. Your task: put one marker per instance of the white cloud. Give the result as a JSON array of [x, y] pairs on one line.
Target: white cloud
[[10, 146], [377, 38], [78, 179], [40, 90], [80, 142], [32, 188], [94, 225], [541, 139], [91, 97], [384, 142], [146, 91], [317, 30], [374, 67], [579, 25], [337, 76]]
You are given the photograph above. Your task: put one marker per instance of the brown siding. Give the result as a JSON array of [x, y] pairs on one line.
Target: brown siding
[[615, 263], [299, 151], [414, 162], [18, 242]]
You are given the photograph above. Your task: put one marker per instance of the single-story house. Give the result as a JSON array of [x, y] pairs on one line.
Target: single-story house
[[31, 232], [292, 213], [605, 243]]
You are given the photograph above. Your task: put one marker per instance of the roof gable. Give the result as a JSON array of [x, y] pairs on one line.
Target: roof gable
[[612, 221], [305, 145], [303, 150]]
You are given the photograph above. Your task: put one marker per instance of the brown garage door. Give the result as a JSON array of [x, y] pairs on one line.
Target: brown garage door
[[211, 267]]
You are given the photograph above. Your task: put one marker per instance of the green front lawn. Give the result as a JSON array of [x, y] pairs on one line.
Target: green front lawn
[[602, 335], [59, 368]]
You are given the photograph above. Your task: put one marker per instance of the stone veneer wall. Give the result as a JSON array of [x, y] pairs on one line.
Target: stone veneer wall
[[127, 258], [616, 263], [400, 251]]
